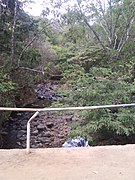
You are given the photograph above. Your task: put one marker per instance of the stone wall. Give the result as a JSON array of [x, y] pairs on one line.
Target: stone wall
[[47, 130]]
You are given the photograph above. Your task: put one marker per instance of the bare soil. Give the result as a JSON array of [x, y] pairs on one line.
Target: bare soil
[[93, 163]]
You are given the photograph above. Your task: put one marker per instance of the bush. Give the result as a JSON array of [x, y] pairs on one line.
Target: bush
[[6, 96], [101, 86]]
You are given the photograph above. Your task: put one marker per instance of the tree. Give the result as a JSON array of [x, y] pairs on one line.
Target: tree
[[116, 22], [110, 21], [16, 28], [13, 31]]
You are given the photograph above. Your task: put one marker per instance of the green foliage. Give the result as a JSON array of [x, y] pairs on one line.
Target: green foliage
[[31, 58], [108, 25], [102, 84], [6, 96], [24, 28], [63, 53], [6, 84]]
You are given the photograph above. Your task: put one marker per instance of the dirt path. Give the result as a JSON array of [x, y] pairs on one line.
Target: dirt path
[[93, 163]]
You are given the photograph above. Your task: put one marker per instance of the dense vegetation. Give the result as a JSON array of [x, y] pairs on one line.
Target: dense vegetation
[[22, 62], [92, 45]]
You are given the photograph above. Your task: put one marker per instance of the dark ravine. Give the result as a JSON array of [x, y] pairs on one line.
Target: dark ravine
[[47, 130]]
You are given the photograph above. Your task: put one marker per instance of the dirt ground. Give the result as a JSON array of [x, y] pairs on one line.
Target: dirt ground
[[93, 163]]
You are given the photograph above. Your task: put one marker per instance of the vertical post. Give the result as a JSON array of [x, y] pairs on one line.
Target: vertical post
[[28, 137], [28, 132]]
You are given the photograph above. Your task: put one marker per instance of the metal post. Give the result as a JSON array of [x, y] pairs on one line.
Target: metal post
[[28, 138], [28, 132]]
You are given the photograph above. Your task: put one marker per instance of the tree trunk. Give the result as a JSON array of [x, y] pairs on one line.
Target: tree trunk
[[13, 34]]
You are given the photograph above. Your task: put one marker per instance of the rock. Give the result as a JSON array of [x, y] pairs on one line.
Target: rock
[[3, 133], [21, 133], [14, 127], [68, 117], [23, 138], [19, 114], [40, 145], [18, 143], [23, 145], [45, 140], [35, 132], [34, 123], [23, 123], [46, 91], [53, 98], [41, 127], [47, 130], [95, 172], [39, 135], [47, 134], [39, 139], [61, 135], [52, 139], [56, 77], [49, 124], [34, 146], [14, 131], [24, 127]]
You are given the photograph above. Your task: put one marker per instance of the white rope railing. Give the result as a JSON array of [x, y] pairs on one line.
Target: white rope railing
[[64, 109], [37, 110]]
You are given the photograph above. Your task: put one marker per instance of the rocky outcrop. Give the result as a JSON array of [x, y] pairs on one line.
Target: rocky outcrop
[[47, 91], [47, 130], [29, 97]]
